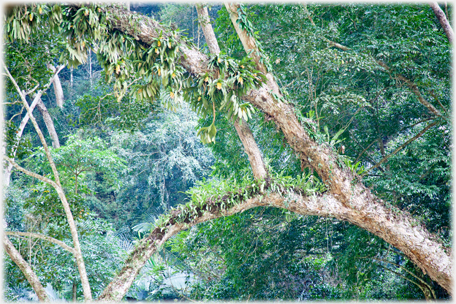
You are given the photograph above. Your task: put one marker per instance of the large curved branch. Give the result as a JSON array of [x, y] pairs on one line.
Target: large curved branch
[[348, 193], [395, 227]]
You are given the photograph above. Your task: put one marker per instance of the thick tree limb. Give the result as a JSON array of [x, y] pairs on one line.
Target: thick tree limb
[[443, 21], [28, 272], [394, 226], [347, 193], [241, 126], [43, 237], [251, 148], [335, 177]]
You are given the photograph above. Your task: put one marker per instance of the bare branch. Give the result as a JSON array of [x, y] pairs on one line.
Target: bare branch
[[43, 237], [29, 173], [401, 147], [32, 90], [57, 86], [59, 189]]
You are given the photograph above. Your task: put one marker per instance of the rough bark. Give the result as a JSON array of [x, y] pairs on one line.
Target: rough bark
[[389, 224], [443, 21], [241, 126], [49, 123], [350, 199], [58, 187], [344, 185], [26, 269]]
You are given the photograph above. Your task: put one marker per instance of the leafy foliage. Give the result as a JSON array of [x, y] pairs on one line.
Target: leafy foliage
[[130, 153]]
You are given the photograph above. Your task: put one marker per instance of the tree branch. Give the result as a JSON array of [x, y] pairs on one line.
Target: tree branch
[[49, 123], [28, 272], [29, 173], [401, 147], [443, 21], [43, 237], [57, 86], [409, 83], [242, 128], [347, 197], [59, 189]]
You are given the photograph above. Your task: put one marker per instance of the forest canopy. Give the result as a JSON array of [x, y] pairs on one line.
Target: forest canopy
[[229, 151]]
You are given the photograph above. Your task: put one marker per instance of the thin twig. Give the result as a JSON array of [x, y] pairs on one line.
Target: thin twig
[[409, 272], [401, 147]]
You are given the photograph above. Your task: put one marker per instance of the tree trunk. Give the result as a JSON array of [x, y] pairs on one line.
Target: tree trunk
[[443, 21], [49, 123], [58, 91], [26, 269], [251, 148], [241, 126], [347, 198], [204, 20], [75, 289]]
